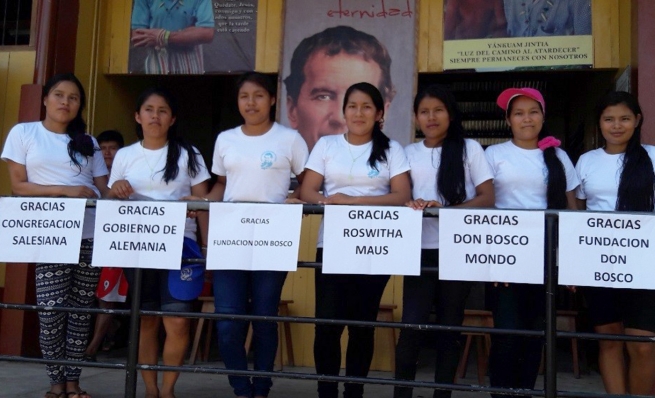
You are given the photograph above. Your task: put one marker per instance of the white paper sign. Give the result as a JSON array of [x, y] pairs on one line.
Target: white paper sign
[[607, 250], [139, 234], [379, 240], [253, 236], [491, 245], [41, 230]]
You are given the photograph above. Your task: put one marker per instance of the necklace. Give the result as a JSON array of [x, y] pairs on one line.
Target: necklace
[[354, 158], [152, 168], [432, 160]]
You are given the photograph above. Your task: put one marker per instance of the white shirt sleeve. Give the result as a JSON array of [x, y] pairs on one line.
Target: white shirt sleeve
[[572, 180], [218, 167], [14, 148], [479, 166], [203, 174], [99, 166], [299, 154], [489, 154], [396, 159], [118, 167], [316, 160], [579, 192]]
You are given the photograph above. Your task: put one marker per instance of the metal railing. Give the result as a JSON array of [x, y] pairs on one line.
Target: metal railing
[[550, 334]]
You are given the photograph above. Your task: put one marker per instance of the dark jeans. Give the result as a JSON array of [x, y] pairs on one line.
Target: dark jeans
[[348, 297], [420, 294], [514, 360], [232, 292]]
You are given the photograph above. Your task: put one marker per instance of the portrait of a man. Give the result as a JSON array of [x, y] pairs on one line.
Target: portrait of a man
[[323, 66], [320, 64]]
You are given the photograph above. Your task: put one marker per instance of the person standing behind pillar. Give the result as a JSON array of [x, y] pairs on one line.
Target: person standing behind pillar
[[112, 286], [162, 166], [56, 158], [446, 170], [619, 176], [530, 172], [361, 167], [254, 163]]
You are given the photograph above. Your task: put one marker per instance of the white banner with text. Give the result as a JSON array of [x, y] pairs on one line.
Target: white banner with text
[[607, 250], [491, 245], [378, 240], [41, 230], [138, 234], [253, 236]]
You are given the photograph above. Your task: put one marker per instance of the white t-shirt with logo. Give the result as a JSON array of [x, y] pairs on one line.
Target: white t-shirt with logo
[[45, 157], [345, 168], [600, 174], [521, 175], [258, 168], [424, 163], [144, 170]]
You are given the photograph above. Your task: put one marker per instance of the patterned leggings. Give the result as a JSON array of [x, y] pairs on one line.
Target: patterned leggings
[[64, 335]]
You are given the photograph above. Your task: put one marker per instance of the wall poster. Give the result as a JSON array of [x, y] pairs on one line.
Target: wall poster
[[510, 34]]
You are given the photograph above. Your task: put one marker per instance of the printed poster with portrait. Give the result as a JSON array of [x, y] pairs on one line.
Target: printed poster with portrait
[[190, 37], [331, 44], [514, 34]]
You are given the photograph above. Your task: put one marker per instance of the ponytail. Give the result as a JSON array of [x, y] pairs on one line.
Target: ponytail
[[172, 169], [380, 147], [556, 187], [636, 184]]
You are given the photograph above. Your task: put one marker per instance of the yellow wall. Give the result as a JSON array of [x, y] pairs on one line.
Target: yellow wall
[[16, 69], [625, 33]]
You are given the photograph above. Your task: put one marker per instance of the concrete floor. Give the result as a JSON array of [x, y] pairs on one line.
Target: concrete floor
[[19, 380]]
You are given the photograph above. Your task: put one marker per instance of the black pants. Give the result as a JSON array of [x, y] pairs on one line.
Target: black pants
[[514, 360], [420, 294], [349, 297]]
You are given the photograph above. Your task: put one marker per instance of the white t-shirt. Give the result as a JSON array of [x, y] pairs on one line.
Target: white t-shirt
[[345, 168], [521, 175], [424, 163], [600, 174], [45, 157], [258, 168], [144, 170]]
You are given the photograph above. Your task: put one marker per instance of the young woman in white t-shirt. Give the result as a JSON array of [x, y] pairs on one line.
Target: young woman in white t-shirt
[[161, 166], [446, 170], [254, 163], [530, 172], [56, 158], [619, 176], [361, 167]]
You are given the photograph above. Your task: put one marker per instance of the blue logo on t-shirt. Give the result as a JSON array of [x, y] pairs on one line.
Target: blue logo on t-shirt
[[267, 158], [372, 173], [81, 159]]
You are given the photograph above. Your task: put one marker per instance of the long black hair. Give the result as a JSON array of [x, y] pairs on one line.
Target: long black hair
[[451, 178], [80, 142], [556, 186], [380, 140], [636, 184], [175, 143]]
